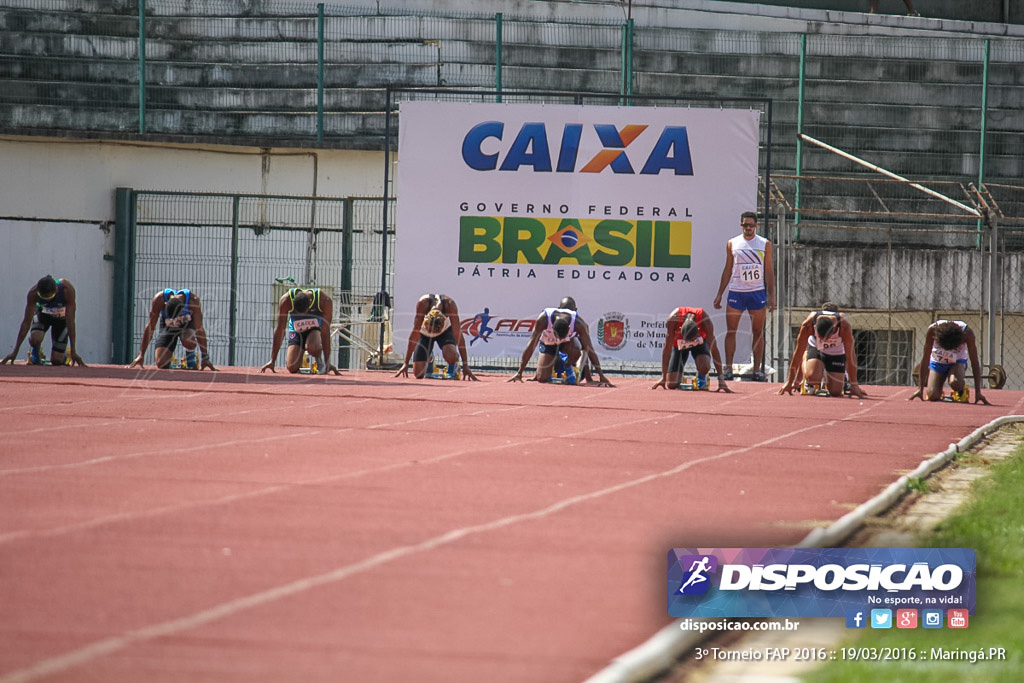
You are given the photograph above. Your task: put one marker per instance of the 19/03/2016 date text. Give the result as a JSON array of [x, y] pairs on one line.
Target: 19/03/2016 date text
[[809, 654]]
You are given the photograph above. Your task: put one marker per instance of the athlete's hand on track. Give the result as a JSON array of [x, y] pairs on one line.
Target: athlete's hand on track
[[9, 358], [660, 383], [978, 398], [331, 368], [77, 360], [722, 386], [467, 374], [137, 362], [917, 394], [207, 363], [403, 371], [269, 366], [602, 381], [518, 377], [855, 390], [786, 389]]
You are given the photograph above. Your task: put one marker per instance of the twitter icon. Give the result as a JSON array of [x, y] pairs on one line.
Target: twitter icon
[[881, 618]]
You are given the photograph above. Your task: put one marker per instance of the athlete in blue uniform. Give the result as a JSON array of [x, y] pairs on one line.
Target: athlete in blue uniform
[[948, 345], [176, 314], [750, 277], [306, 315], [555, 330], [50, 305], [436, 322]]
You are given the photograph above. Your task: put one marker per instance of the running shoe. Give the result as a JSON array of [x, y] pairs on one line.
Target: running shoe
[[702, 382], [33, 356], [759, 377], [962, 396], [190, 359], [453, 371], [570, 375], [728, 376]]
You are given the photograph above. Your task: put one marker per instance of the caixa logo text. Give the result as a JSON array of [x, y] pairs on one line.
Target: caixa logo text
[[486, 148], [830, 577]]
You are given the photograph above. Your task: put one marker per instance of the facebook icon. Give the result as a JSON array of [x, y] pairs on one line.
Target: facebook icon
[[855, 618]]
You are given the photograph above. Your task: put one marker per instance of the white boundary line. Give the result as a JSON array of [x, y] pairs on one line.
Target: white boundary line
[[666, 647]]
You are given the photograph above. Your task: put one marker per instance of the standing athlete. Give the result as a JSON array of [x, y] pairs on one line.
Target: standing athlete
[[750, 277]]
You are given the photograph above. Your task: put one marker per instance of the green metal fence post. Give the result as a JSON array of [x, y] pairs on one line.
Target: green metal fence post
[[799, 131], [984, 126], [320, 72], [142, 67], [233, 303], [629, 58], [497, 54], [124, 276], [348, 217]]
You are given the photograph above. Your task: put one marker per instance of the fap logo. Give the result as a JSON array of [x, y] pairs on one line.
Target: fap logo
[[612, 331], [696, 580]]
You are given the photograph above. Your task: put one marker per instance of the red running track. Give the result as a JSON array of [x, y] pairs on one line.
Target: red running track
[[184, 526]]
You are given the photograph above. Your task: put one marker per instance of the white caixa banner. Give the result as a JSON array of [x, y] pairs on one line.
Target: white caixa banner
[[507, 208]]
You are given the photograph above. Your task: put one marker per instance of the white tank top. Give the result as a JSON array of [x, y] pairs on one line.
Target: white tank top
[[547, 337], [747, 263]]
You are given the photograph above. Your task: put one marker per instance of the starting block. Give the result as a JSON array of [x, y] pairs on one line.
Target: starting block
[[563, 373], [691, 385], [443, 370], [961, 397], [820, 390]]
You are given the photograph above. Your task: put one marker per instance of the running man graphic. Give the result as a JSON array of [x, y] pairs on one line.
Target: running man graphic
[[697, 573], [480, 328]]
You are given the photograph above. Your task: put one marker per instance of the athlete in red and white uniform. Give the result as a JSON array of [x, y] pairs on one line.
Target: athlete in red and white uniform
[[689, 331]]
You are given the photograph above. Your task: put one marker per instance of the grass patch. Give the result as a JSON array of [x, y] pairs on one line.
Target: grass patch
[[991, 522]]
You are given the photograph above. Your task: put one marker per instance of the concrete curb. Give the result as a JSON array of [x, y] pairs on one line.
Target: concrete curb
[[663, 650]]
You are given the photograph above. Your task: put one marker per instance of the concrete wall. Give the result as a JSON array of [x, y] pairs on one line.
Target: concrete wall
[[57, 209]]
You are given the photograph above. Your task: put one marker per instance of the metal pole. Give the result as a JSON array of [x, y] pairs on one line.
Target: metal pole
[[233, 304], [890, 174], [384, 226], [320, 72], [497, 55], [984, 127], [800, 130], [993, 285], [142, 67], [629, 59]]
